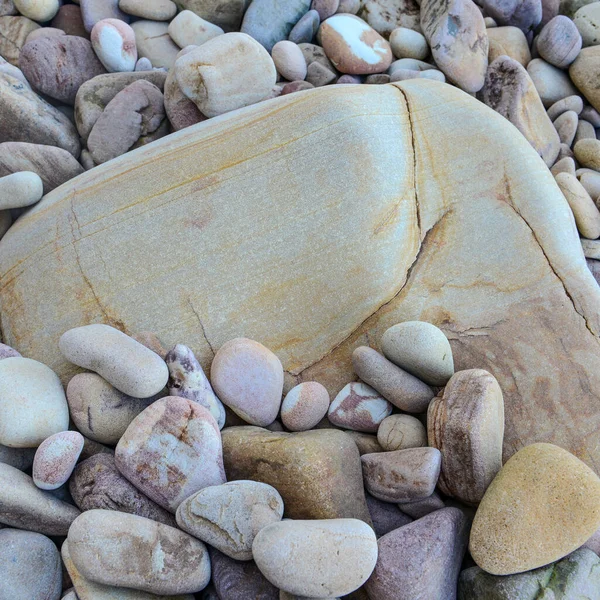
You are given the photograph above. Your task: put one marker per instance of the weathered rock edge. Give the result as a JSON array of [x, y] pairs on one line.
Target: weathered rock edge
[[313, 222]]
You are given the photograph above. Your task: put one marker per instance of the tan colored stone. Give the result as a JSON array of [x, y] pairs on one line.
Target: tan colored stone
[[542, 505], [366, 443], [587, 215], [234, 274], [156, 10], [466, 424], [564, 165], [154, 43], [591, 182], [187, 28], [399, 432], [408, 43], [13, 36], [585, 131], [584, 72], [509, 41], [317, 472], [574, 103], [587, 153]]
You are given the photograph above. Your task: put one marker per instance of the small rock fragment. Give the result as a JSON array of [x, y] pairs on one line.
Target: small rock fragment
[[289, 60], [155, 10], [56, 458]]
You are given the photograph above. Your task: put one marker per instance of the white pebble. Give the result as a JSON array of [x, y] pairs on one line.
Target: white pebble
[[114, 43], [20, 189], [289, 60]]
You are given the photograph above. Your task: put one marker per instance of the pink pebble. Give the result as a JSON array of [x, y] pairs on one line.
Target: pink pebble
[[56, 458], [304, 406]]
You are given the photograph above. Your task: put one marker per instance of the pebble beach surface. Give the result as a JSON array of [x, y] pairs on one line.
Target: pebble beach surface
[[152, 474]]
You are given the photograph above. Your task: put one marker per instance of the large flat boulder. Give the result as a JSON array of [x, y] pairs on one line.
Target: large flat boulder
[[313, 222]]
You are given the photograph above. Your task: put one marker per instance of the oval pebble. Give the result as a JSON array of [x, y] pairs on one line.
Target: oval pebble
[[20, 189], [408, 43], [114, 44], [155, 10], [304, 406], [566, 126], [587, 153], [119, 549], [587, 215], [93, 11], [229, 516], [37, 10], [56, 458], [321, 558], [421, 349], [306, 28], [574, 103], [325, 8], [399, 432], [20, 458], [248, 378], [127, 365], [33, 405], [289, 60], [559, 42], [359, 407], [188, 29]]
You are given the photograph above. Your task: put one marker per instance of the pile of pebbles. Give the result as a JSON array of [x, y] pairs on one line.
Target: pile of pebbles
[[150, 481], [82, 83]]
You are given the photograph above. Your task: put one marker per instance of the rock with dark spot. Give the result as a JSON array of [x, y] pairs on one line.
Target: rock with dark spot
[[386, 15], [58, 65], [97, 483]]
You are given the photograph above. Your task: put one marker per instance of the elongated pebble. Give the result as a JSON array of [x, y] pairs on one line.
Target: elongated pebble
[[304, 406], [56, 458]]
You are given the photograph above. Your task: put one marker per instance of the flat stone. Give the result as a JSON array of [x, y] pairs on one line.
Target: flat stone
[[296, 556], [575, 576], [154, 43], [304, 406], [421, 349], [13, 36], [187, 28], [234, 579], [584, 71], [564, 165], [31, 566], [591, 182], [116, 548], [270, 21], [20, 458], [32, 403], [553, 84], [230, 71], [316, 472], [97, 483], [385, 516], [134, 117], [306, 28], [229, 516], [358, 407], [457, 35], [466, 424], [56, 458], [353, 46], [25, 506], [54, 165], [156, 10], [542, 505], [402, 475], [559, 42], [20, 190], [508, 41], [528, 329], [585, 131], [386, 15], [402, 389], [399, 432], [127, 365], [585, 212], [90, 590], [227, 14], [57, 66], [422, 559], [171, 450], [187, 380], [94, 95], [248, 378], [289, 60], [25, 117], [93, 11]]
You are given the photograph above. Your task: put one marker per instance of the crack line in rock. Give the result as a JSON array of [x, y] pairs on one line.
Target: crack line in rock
[[201, 326]]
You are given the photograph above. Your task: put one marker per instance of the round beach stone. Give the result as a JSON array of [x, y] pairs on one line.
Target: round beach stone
[[325, 8], [248, 378], [359, 407], [119, 549], [353, 46], [229, 516], [559, 42], [97, 483], [408, 43], [421, 559], [587, 153], [155, 10], [32, 403], [587, 215], [154, 43], [466, 424], [570, 103], [56, 458], [289, 60], [25, 506], [171, 450], [421, 349], [587, 21], [114, 44], [127, 365], [402, 389], [187, 380], [402, 475], [399, 432], [100, 411], [57, 66], [188, 29], [322, 558], [227, 72], [37, 10], [304, 406], [20, 189], [542, 505], [30, 566]]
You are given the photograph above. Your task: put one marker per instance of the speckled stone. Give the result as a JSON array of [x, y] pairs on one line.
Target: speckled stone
[[509, 41], [229, 516], [296, 556], [116, 548], [525, 15], [93, 11], [123, 362], [56, 458], [359, 407], [587, 153], [542, 505], [365, 442], [422, 559], [97, 483], [385, 15], [304, 406], [31, 566], [181, 111], [171, 450], [402, 475]]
